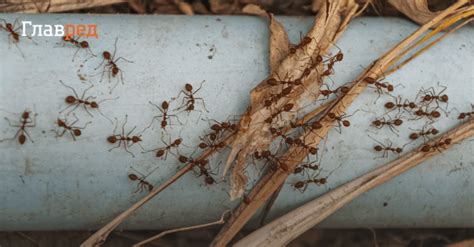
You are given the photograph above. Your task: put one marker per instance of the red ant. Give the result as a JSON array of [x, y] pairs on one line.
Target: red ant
[[86, 103], [341, 121], [307, 166], [425, 113], [201, 165], [13, 33], [430, 95], [437, 145], [303, 43], [285, 108], [26, 121], [275, 97], [406, 105], [423, 133], [220, 127], [78, 44], [271, 159], [303, 185], [327, 92], [73, 130], [142, 183], [379, 86], [189, 97], [113, 70], [164, 150], [165, 117], [125, 138], [206, 142], [386, 149], [464, 115], [379, 123]]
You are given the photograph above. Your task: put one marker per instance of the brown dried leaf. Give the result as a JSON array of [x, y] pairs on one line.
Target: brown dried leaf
[[416, 10]]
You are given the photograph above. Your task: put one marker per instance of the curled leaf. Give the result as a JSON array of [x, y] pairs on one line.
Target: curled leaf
[[416, 10]]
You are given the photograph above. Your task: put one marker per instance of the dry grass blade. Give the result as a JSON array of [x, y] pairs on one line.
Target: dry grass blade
[[286, 228], [36, 6], [270, 183], [160, 235], [416, 10]]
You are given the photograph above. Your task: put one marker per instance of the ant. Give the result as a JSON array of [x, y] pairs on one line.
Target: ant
[[307, 166], [164, 150], [13, 34], [125, 138], [86, 103], [430, 95], [111, 63], [327, 92], [26, 121], [78, 44], [425, 113], [341, 121], [275, 97], [464, 115], [386, 149], [437, 145], [303, 185], [142, 183], [379, 123], [379, 86], [189, 97], [73, 130], [207, 142], [271, 159], [165, 117], [201, 165], [423, 133], [220, 127], [397, 104], [286, 108], [299, 142]]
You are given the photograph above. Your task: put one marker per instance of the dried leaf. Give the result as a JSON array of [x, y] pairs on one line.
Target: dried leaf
[[416, 10]]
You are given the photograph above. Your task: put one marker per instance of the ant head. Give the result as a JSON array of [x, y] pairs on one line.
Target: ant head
[[444, 98], [188, 87], [272, 82], [77, 132], [339, 56], [369, 80], [344, 89], [203, 162], [298, 169], [313, 150], [331, 115], [132, 177], [203, 145], [292, 50], [183, 159], [22, 139], [462, 115], [246, 199], [25, 115], [412, 105], [289, 140], [112, 139], [70, 99], [288, 107], [413, 136], [150, 187], [299, 184], [106, 55], [399, 150], [178, 141], [378, 148], [377, 122], [325, 92], [434, 131], [209, 180], [426, 148], [212, 136], [94, 104], [427, 97], [447, 141], [267, 103], [306, 40], [136, 139], [84, 44], [165, 105], [60, 123], [269, 120], [216, 127], [323, 180], [346, 123], [389, 105], [9, 26], [266, 153], [435, 114], [160, 153], [398, 122], [225, 125], [316, 125], [390, 87], [286, 90]]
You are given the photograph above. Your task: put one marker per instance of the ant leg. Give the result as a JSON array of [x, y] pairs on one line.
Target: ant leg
[[28, 135], [119, 144], [124, 123], [115, 48], [75, 53], [202, 100], [125, 145], [131, 131], [126, 60], [197, 90], [72, 89], [177, 118], [103, 60], [9, 123], [67, 107], [103, 115]]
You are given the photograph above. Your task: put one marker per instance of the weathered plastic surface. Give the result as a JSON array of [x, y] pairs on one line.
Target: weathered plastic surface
[[58, 183]]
